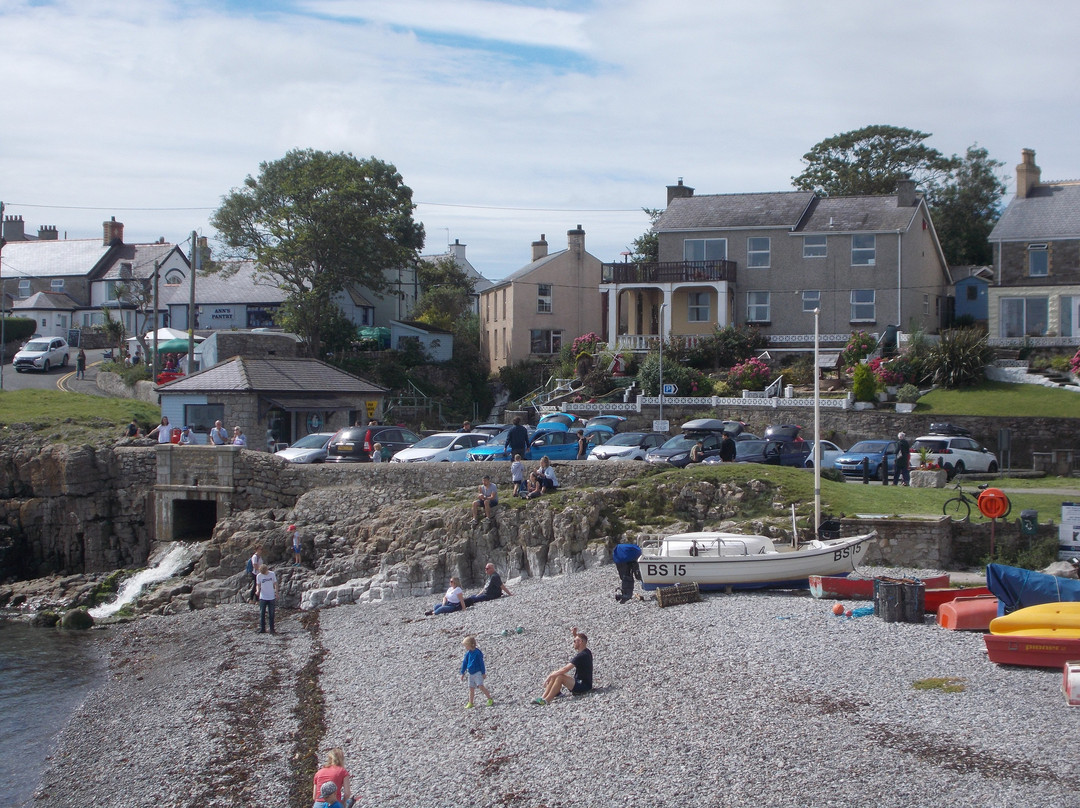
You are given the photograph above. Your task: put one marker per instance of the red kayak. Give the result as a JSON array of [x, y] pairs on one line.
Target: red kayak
[[840, 587], [1032, 652], [936, 597]]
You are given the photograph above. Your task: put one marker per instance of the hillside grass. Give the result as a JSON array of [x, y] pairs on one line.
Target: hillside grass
[[1002, 398], [71, 418]]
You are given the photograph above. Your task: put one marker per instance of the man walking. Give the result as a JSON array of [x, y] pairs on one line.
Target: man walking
[[517, 440], [903, 456]]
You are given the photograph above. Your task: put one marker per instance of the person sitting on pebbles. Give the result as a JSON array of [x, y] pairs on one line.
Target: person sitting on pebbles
[[582, 665]]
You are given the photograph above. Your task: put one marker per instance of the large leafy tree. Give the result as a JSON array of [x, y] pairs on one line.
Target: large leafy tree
[[317, 222], [446, 293], [872, 160], [966, 207]]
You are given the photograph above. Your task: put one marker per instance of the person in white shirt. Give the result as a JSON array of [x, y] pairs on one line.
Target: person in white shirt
[[453, 600], [218, 435], [545, 475], [266, 583], [162, 431]]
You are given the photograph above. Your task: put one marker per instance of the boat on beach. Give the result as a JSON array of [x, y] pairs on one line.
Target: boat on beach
[[936, 598], [1018, 588], [968, 613], [1031, 652], [717, 561], [842, 587]]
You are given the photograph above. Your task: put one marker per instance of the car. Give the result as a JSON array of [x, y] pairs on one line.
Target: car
[[556, 443], [880, 456], [442, 447], [829, 452], [309, 449], [564, 421], [778, 452], [627, 446], [676, 451], [347, 445], [956, 454], [612, 422], [490, 429], [751, 450], [42, 353]]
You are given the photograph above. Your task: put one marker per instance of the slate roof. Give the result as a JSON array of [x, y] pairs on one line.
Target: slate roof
[[43, 259], [140, 256], [282, 375], [430, 329], [43, 301], [1050, 211], [729, 211], [525, 270], [215, 289], [845, 214]]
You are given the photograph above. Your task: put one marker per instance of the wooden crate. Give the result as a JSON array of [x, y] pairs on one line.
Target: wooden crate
[[677, 594]]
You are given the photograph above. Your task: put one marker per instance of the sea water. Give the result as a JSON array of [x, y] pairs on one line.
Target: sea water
[[45, 673]]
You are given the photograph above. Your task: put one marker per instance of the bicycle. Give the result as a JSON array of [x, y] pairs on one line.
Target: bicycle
[[959, 506]]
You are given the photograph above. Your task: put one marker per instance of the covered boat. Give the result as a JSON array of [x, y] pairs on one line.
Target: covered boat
[[716, 560], [1017, 588]]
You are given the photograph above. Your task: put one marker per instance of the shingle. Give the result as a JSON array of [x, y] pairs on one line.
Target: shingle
[[731, 211], [1050, 211]]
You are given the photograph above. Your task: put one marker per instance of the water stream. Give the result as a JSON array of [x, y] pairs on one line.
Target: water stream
[[163, 565]]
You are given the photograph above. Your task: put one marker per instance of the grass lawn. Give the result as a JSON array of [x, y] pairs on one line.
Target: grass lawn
[[1002, 398], [72, 418]]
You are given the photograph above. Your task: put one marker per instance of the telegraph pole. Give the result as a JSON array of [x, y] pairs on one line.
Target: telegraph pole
[[3, 313], [157, 268], [196, 261]]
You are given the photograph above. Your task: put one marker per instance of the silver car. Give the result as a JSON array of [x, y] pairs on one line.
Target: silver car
[[42, 353], [309, 449]]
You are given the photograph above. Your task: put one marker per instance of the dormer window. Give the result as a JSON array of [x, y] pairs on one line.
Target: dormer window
[[174, 277], [57, 285], [24, 287]]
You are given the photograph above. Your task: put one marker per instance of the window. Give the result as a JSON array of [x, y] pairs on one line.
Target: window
[[1066, 306], [811, 300], [862, 305], [543, 298], [705, 249], [24, 287], [972, 292], [1038, 261], [813, 247], [697, 307], [757, 252], [926, 304], [757, 307], [174, 277], [57, 284], [110, 289], [863, 251], [1024, 316], [545, 342]]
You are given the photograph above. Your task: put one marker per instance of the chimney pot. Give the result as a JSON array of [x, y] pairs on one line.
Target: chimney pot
[[539, 248], [905, 193], [1027, 174], [679, 191]]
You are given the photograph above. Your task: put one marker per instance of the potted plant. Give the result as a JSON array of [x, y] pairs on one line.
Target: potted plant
[[906, 397]]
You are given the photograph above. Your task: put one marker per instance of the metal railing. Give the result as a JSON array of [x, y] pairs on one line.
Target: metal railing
[[669, 272]]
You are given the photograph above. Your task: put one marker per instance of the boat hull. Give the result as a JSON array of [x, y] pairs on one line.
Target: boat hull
[[1031, 652], [936, 598], [837, 586], [1057, 620], [782, 570], [968, 614]]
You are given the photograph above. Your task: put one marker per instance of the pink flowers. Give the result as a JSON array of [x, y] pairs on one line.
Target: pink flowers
[[586, 342], [753, 374]]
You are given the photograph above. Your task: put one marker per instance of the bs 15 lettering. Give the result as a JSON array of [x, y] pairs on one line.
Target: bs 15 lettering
[[663, 570]]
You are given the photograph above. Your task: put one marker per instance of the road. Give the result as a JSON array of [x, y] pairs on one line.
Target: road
[[58, 379]]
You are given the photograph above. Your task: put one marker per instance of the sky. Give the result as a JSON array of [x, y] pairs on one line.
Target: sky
[[508, 119]]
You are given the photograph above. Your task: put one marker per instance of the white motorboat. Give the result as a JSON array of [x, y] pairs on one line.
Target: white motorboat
[[715, 560]]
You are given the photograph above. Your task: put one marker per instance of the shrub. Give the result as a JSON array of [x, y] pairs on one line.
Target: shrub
[[886, 373], [959, 358], [753, 374], [862, 383], [1074, 363], [858, 347], [690, 381], [726, 346], [800, 372], [908, 394], [722, 388]]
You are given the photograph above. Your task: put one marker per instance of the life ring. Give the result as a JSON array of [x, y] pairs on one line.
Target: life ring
[[993, 503]]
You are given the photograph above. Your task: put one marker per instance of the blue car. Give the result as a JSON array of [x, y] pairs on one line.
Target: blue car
[[880, 457], [556, 443]]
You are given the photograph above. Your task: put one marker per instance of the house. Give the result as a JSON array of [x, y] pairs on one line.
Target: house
[[456, 253], [1036, 242], [234, 297], [280, 397], [972, 294], [553, 298], [436, 342], [771, 259], [65, 283]]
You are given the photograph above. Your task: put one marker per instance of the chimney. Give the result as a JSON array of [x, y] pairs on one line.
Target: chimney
[[575, 240], [14, 228], [1027, 174], [679, 191], [47, 232], [905, 193], [113, 232], [539, 248], [457, 249]]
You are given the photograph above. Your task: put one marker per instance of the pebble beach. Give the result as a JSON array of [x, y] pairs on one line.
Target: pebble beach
[[745, 699]]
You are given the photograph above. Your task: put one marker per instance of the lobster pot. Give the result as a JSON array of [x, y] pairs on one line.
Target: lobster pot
[[677, 594], [898, 600]]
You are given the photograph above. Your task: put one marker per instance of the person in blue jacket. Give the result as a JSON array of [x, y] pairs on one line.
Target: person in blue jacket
[[626, 558], [472, 668]]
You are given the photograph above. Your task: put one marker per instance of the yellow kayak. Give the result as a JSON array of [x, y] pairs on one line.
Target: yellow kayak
[[1042, 620]]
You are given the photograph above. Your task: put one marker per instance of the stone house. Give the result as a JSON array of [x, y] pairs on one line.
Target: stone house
[[531, 312], [1035, 294], [770, 259], [273, 400]]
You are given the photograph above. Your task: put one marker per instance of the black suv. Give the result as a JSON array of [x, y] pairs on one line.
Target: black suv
[[347, 445]]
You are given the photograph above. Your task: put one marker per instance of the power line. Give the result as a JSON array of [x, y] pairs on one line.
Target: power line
[[116, 208]]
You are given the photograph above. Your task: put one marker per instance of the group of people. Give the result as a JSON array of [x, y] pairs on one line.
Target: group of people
[[219, 436], [455, 599]]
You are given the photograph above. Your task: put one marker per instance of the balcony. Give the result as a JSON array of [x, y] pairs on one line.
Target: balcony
[[669, 272]]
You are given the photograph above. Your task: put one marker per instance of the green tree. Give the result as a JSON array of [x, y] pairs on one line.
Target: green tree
[[318, 222], [872, 160], [646, 247], [966, 207], [446, 293]]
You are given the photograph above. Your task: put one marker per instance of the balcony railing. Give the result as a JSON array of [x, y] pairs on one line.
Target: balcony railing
[[669, 272]]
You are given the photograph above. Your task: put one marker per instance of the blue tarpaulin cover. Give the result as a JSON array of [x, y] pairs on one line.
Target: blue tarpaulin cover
[[1016, 588]]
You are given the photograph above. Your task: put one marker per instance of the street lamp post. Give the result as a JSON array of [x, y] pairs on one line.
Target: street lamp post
[[817, 426], [662, 307]]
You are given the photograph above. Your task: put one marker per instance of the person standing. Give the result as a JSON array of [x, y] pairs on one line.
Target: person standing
[[582, 445], [253, 565], [697, 453], [238, 437], [582, 666], [494, 588], [162, 431], [473, 669], [727, 449], [376, 453], [466, 427], [517, 439], [218, 435], [517, 476], [266, 584], [80, 364], [295, 545], [626, 558], [903, 460]]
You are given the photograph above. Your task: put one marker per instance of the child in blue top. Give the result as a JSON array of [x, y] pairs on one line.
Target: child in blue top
[[327, 796], [472, 666], [517, 476]]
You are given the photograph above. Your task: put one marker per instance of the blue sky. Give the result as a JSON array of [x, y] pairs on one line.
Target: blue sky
[[507, 119]]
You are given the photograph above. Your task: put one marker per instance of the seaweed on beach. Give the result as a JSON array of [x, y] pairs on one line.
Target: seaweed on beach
[[310, 712]]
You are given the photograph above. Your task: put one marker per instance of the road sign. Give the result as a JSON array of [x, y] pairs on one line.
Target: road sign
[[670, 389], [660, 426]]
